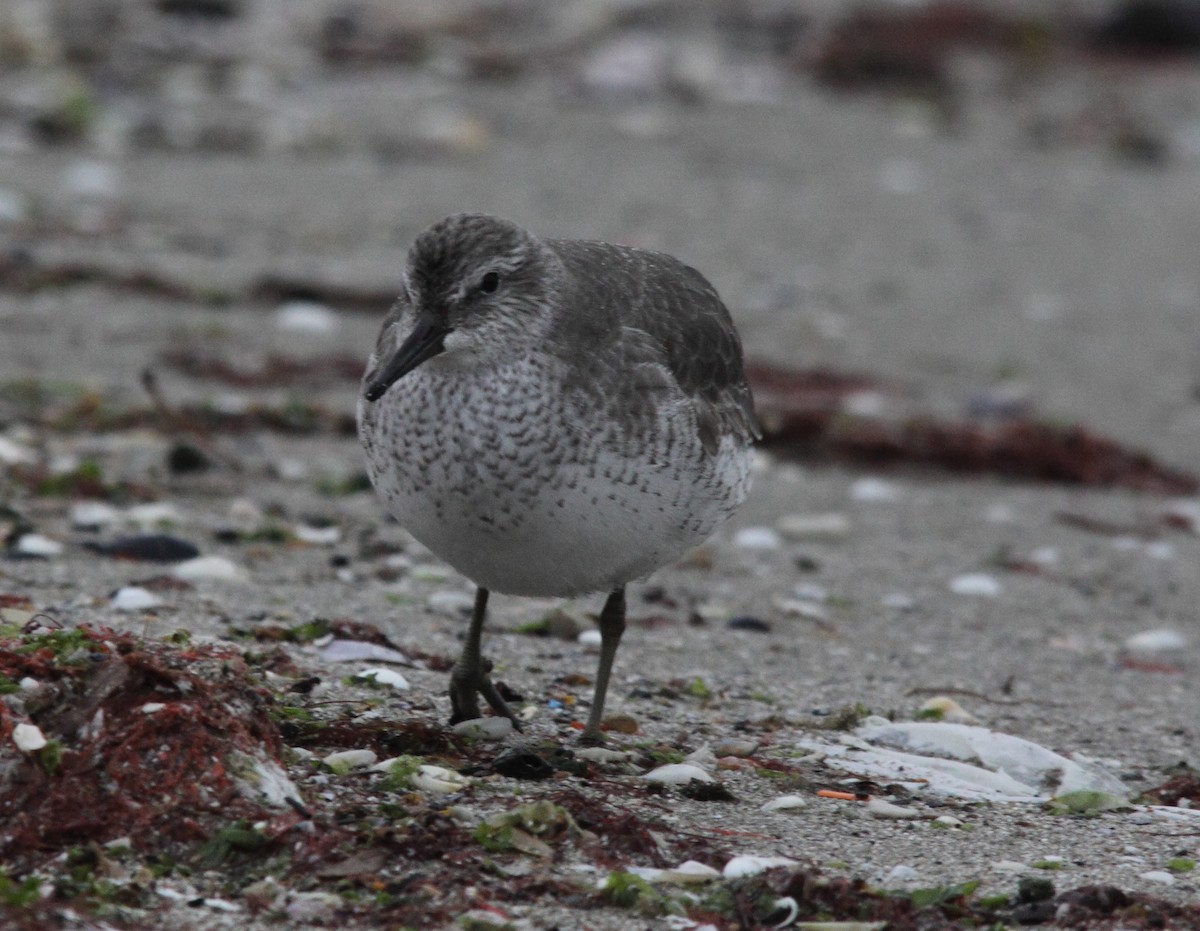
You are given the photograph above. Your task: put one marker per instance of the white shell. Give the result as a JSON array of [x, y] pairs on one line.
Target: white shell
[[676, 774], [29, 737]]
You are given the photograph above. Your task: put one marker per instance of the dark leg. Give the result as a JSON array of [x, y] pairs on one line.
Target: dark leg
[[470, 674], [612, 625]]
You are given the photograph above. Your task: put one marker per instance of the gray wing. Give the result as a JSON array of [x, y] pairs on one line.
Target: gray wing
[[649, 307]]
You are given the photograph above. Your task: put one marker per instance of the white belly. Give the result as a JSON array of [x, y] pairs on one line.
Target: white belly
[[516, 490]]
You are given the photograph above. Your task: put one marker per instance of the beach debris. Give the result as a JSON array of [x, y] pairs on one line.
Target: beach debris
[[962, 761]]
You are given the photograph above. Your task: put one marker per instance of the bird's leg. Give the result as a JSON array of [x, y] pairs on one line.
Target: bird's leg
[[612, 625], [470, 674]]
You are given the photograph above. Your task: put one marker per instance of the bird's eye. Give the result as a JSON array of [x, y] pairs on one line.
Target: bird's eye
[[489, 283]]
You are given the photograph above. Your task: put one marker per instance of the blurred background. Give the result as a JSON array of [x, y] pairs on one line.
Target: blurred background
[[990, 205]]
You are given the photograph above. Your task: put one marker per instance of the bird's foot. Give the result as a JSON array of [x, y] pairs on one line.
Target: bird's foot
[[466, 682]]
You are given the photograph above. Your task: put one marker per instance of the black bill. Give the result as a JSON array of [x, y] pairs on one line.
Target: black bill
[[424, 342]]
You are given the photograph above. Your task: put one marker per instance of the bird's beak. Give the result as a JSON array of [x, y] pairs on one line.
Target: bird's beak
[[424, 342]]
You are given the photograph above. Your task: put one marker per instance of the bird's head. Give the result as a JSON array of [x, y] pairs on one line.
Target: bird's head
[[475, 287]]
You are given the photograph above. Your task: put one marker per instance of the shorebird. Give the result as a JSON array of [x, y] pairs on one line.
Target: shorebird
[[553, 417]]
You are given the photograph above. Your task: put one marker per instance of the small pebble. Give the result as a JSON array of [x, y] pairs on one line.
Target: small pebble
[[832, 526], [603, 755], [1158, 876], [947, 821], [795, 607], [786, 803], [951, 711], [620, 723], [148, 547], [34, 544], [133, 598], [702, 757], [757, 538], [901, 874], [880, 808], [494, 728], [346, 760], [898, 601], [750, 865], [589, 638], [677, 774], [388, 677], [874, 490], [151, 707], [217, 568], [735, 746], [93, 515], [318, 536], [29, 737], [1163, 640], [975, 583], [745, 622], [451, 602], [305, 317]]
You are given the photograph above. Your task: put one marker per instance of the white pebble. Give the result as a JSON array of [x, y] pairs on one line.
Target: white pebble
[[133, 598], [494, 728], [975, 583], [28, 737], [88, 178], [429, 778], [1158, 876], [305, 317], [999, 514], [449, 601], [589, 638], [318, 536], [29, 684], [1160, 549], [350, 759], [874, 490], [292, 470], [786, 803], [91, 514], [901, 874], [677, 774], [384, 677], [948, 821], [34, 544], [152, 707], [898, 601], [1010, 866], [1163, 640], [757, 538], [751, 865], [14, 453], [1045, 556], [880, 808], [217, 568], [832, 526]]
